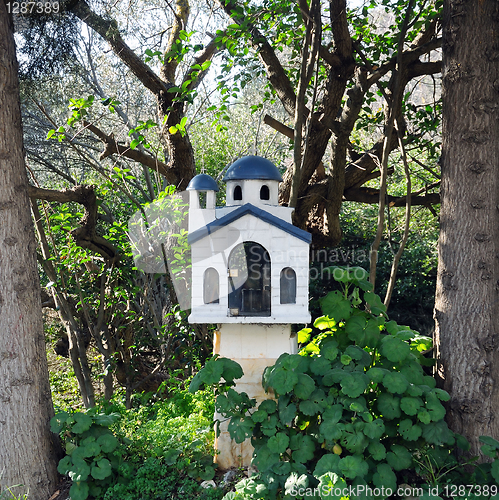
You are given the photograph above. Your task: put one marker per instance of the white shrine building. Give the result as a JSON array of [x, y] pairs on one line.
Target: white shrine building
[[250, 272], [249, 263]]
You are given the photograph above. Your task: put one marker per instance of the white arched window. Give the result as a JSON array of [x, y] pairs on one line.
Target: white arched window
[[287, 286], [211, 286]]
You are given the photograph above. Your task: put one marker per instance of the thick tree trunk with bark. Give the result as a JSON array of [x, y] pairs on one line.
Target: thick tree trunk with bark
[[466, 308], [26, 443]]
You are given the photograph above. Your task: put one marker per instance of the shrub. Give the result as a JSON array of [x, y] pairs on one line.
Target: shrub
[[354, 408], [156, 451]]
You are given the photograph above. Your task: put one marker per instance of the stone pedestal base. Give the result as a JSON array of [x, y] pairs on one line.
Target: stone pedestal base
[[254, 347]]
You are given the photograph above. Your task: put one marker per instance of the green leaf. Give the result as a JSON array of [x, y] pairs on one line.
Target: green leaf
[[377, 450], [240, 428], [212, 372], [268, 405], [320, 365], [413, 372], [304, 335], [345, 359], [411, 406], [278, 443], [354, 440], [231, 369], [106, 420], [107, 442], [394, 349], [388, 405], [376, 374], [92, 448], [324, 323], [335, 306], [64, 465], [283, 381], [395, 382], [354, 327], [490, 441], [102, 469], [353, 466], [372, 333], [434, 407], [375, 429], [438, 433], [259, 416], [79, 491], [170, 457], [83, 423], [304, 447], [50, 133], [329, 350], [442, 395], [333, 376], [264, 459], [309, 408], [134, 143], [375, 304], [79, 471], [384, 477], [305, 386], [354, 384], [327, 463], [399, 457], [424, 417], [494, 470], [331, 430], [57, 422], [462, 442], [287, 413], [409, 431]]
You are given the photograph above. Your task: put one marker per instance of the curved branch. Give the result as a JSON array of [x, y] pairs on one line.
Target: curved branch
[[112, 147], [85, 236]]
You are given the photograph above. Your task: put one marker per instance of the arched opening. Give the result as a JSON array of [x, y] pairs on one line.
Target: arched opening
[[249, 280], [264, 192], [202, 199], [287, 286], [211, 286], [238, 193]]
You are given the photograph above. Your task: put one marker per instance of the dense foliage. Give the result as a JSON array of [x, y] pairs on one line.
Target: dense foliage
[[354, 409]]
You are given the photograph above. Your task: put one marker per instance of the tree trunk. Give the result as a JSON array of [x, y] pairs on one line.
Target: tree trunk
[[26, 443], [466, 307]]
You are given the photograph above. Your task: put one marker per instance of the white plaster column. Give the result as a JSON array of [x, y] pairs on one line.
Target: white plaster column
[[254, 347]]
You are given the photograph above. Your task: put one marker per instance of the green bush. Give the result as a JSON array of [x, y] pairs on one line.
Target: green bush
[[354, 408], [92, 459], [159, 449]]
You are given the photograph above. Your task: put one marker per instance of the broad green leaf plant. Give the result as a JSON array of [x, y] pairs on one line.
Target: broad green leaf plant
[[354, 407]]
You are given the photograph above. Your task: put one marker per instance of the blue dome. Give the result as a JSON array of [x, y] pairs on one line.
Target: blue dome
[[202, 182], [252, 167]]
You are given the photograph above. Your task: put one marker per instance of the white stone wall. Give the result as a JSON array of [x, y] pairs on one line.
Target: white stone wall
[[254, 347], [251, 192], [285, 250]]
